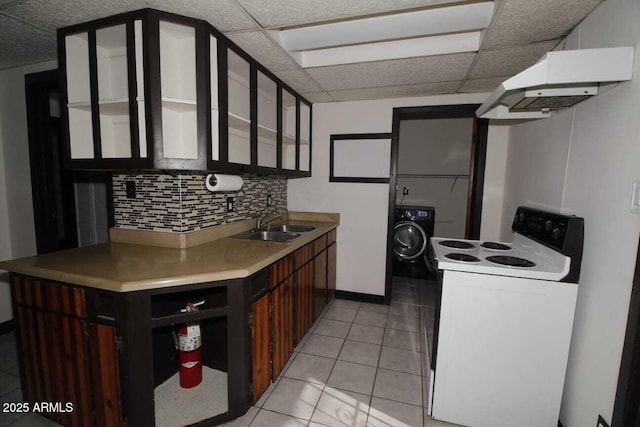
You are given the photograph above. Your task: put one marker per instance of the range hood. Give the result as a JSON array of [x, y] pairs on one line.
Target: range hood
[[559, 80]]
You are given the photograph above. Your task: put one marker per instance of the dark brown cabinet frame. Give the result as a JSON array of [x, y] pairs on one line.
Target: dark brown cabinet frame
[[153, 106]]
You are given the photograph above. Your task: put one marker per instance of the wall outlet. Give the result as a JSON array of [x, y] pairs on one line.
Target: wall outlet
[[269, 200], [405, 191], [230, 207], [131, 189], [601, 422], [635, 196]]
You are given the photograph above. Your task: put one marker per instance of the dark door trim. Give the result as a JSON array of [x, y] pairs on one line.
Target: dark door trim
[[626, 409], [46, 163], [476, 179]]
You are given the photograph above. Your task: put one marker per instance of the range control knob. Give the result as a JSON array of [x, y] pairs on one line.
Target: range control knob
[[548, 225], [557, 233]]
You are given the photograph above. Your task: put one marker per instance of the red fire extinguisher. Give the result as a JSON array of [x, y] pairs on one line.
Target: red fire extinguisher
[[189, 345]]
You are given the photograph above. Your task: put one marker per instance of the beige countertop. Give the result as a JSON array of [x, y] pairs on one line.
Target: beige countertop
[[124, 267]]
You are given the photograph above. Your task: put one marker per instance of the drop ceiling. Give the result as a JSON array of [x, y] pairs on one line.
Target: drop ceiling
[[519, 32]]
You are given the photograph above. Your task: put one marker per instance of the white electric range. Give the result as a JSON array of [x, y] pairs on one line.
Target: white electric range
[[504, 322]]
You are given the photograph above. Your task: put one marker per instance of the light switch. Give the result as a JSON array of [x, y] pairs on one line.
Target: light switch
[[635, 196]]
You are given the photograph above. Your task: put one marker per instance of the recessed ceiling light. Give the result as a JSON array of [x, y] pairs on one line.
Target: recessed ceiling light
[[420, 23]]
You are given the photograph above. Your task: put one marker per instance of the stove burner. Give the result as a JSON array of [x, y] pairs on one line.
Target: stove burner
[[462, 257], [457, 244], [496, 246], [511, 261]]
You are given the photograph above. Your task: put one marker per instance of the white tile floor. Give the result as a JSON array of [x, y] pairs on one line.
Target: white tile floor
[[359, 365]]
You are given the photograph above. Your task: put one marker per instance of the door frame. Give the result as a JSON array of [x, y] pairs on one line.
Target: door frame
[[476, 172]]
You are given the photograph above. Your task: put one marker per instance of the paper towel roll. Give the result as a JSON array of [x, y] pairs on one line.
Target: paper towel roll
[[219, 182]]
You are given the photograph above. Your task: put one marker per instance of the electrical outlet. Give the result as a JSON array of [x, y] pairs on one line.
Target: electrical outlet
[[131, 189], [405, 191], [602, 422], [269, 200], [230, 207], [635, 196]]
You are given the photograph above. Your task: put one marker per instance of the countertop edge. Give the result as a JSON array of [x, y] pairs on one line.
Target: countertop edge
[[15, 266]]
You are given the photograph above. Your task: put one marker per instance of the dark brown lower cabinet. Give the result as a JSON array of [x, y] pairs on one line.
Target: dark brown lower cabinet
[[260, 346], [331, 271], [53, 350], [105, 372], [319, 283], [304, 300], [282, 300]]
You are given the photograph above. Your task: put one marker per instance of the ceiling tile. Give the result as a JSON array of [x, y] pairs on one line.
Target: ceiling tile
[[520, 22], [482, 85], [393, 73], [224, 15], [507, 62], [299, 81], [317, 97], [396, 91], [23, 44], [281, 13], [264, 50]]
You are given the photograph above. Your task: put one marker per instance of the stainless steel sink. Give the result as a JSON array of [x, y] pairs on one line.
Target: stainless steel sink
[[267, 236], [290, 228]]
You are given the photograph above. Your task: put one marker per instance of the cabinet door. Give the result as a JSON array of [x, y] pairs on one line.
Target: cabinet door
[[260, 344], [331, 271], [289, 126], [106, 375], [304, 300], [267, 100], [282, 298], [304, 163], [319, 283], [239, 109]]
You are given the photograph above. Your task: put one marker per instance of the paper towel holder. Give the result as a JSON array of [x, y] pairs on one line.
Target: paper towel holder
[[223, 183]]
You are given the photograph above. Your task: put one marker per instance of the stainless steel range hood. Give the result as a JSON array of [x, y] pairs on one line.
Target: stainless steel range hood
[[559, 80]]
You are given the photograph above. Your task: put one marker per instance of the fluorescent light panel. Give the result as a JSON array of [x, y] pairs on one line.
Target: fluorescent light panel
[[453, 19], [410, 48]]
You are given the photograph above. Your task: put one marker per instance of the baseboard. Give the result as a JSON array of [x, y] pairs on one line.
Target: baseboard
[[357, 296], [6, 327]]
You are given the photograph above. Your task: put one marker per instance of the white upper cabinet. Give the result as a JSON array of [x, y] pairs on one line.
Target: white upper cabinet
[[267, 122], [153, 90], [289, 124]]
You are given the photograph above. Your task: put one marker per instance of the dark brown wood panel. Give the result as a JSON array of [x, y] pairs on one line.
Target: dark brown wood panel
[[304, 301], [260, 345], [282, 299], [303, 255], [331, 236], [47, 295], [105, 375], [280, 270], [331, 271], [319, 283], [320, 244]]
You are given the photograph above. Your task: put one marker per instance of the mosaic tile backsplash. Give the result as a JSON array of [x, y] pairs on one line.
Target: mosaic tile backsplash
[[181, 203]]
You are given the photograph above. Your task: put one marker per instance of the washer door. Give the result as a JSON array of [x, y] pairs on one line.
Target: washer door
[[409, 240]]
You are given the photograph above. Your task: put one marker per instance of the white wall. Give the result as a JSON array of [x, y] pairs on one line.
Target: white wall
[[17, 231], [362, 235], [583, 161]]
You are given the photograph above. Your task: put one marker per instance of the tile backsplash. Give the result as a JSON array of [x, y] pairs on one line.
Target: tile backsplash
[[180, 202]]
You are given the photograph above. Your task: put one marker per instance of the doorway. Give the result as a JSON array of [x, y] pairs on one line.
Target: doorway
[[451, 178], [71, 208]]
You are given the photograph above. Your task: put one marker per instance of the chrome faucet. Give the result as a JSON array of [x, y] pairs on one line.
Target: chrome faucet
[[267, 219]]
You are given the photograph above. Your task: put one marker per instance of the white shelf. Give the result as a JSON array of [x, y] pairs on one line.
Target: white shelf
[[304, 142], [179, 105], [83, 105], [288, 139], [115, 108], [240, 123]]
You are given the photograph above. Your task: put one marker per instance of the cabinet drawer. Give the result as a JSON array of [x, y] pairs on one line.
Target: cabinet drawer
[[331, 236], [43, 294], [280, 270], [303, 255], [320, 244]]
